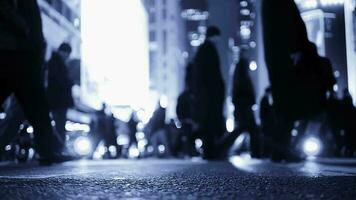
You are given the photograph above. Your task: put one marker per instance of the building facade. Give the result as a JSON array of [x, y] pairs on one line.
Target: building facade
[[167, 50], [61, 23]]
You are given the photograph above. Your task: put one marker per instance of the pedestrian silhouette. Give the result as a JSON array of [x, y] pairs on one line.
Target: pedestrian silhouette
[[21, 60], [132, 126], [104, 129], [243, 98], [209, 92], [185, 112], [59, 91], [349, 121], [157, 133], [268, 121], [296, 72]]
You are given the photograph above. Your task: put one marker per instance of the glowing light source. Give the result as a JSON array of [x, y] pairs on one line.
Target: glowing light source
[[8, 148], [198, 143], [245, 32], [312, 146], [230, 125], [72, 127], [161, 148], [311, 4], [163, 102], [253, 66], [82, 146], [2, 115], [122, 140], [134, 152], [115, 52], [29, 129]]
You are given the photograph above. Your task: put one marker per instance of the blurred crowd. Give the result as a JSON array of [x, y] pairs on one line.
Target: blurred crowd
[[300, 102]]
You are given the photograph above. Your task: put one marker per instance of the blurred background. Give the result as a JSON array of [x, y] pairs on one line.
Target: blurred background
[[131, 56]]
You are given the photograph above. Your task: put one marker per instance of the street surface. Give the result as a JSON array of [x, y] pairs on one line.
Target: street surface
[[179, 179]]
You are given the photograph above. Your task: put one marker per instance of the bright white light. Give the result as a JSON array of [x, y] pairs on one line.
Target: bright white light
[[150, 149], [245, 32], [230, 125], [195, 43], [335, 88], [331, 2], [140, 126], [163, 102], [8, 148], [29, 129], [254, 107], [141, 144], [82, 146], [113, 151], [102, 149], [2, 115], [253, 66], [122, 140], [31, 153], [311, 4], [133, 152], [115, 52], [294, 133], [312, 146], [198, 143], [73, 127], [140, 135], [161, 148]]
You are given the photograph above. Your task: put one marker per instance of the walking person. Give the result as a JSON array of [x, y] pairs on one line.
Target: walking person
[[59, 89], [21, 61], [244, 98], [298, 75], [209, 91]]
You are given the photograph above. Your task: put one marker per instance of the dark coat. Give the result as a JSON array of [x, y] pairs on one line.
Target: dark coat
[[208, 86], [59, 84], [185, 106], [243, 94], [295, 96], [21, 26], [158, 119]]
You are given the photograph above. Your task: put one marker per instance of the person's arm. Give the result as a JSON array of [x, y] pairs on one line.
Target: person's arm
[[9, 16]]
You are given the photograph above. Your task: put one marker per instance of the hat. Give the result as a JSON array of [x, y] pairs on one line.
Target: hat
[[65, 47]]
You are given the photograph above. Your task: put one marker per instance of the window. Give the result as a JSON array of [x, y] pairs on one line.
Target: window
[[152, 17], [164, 14], [152, 36], [165, 42]]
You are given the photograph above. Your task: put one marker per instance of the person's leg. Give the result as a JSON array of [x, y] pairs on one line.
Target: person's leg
[[31, 95], [282, 140], [11, 124], [8, 64], [60, 118], [255, 137]]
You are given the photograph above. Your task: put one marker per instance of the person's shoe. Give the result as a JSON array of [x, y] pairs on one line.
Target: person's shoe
[[56, 159]]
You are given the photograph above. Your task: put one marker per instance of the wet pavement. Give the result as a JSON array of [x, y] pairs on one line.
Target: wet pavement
[[179, 179]]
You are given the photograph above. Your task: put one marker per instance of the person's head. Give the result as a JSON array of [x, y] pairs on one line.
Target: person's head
[[213, 34], [103, 106], [65, 50]]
